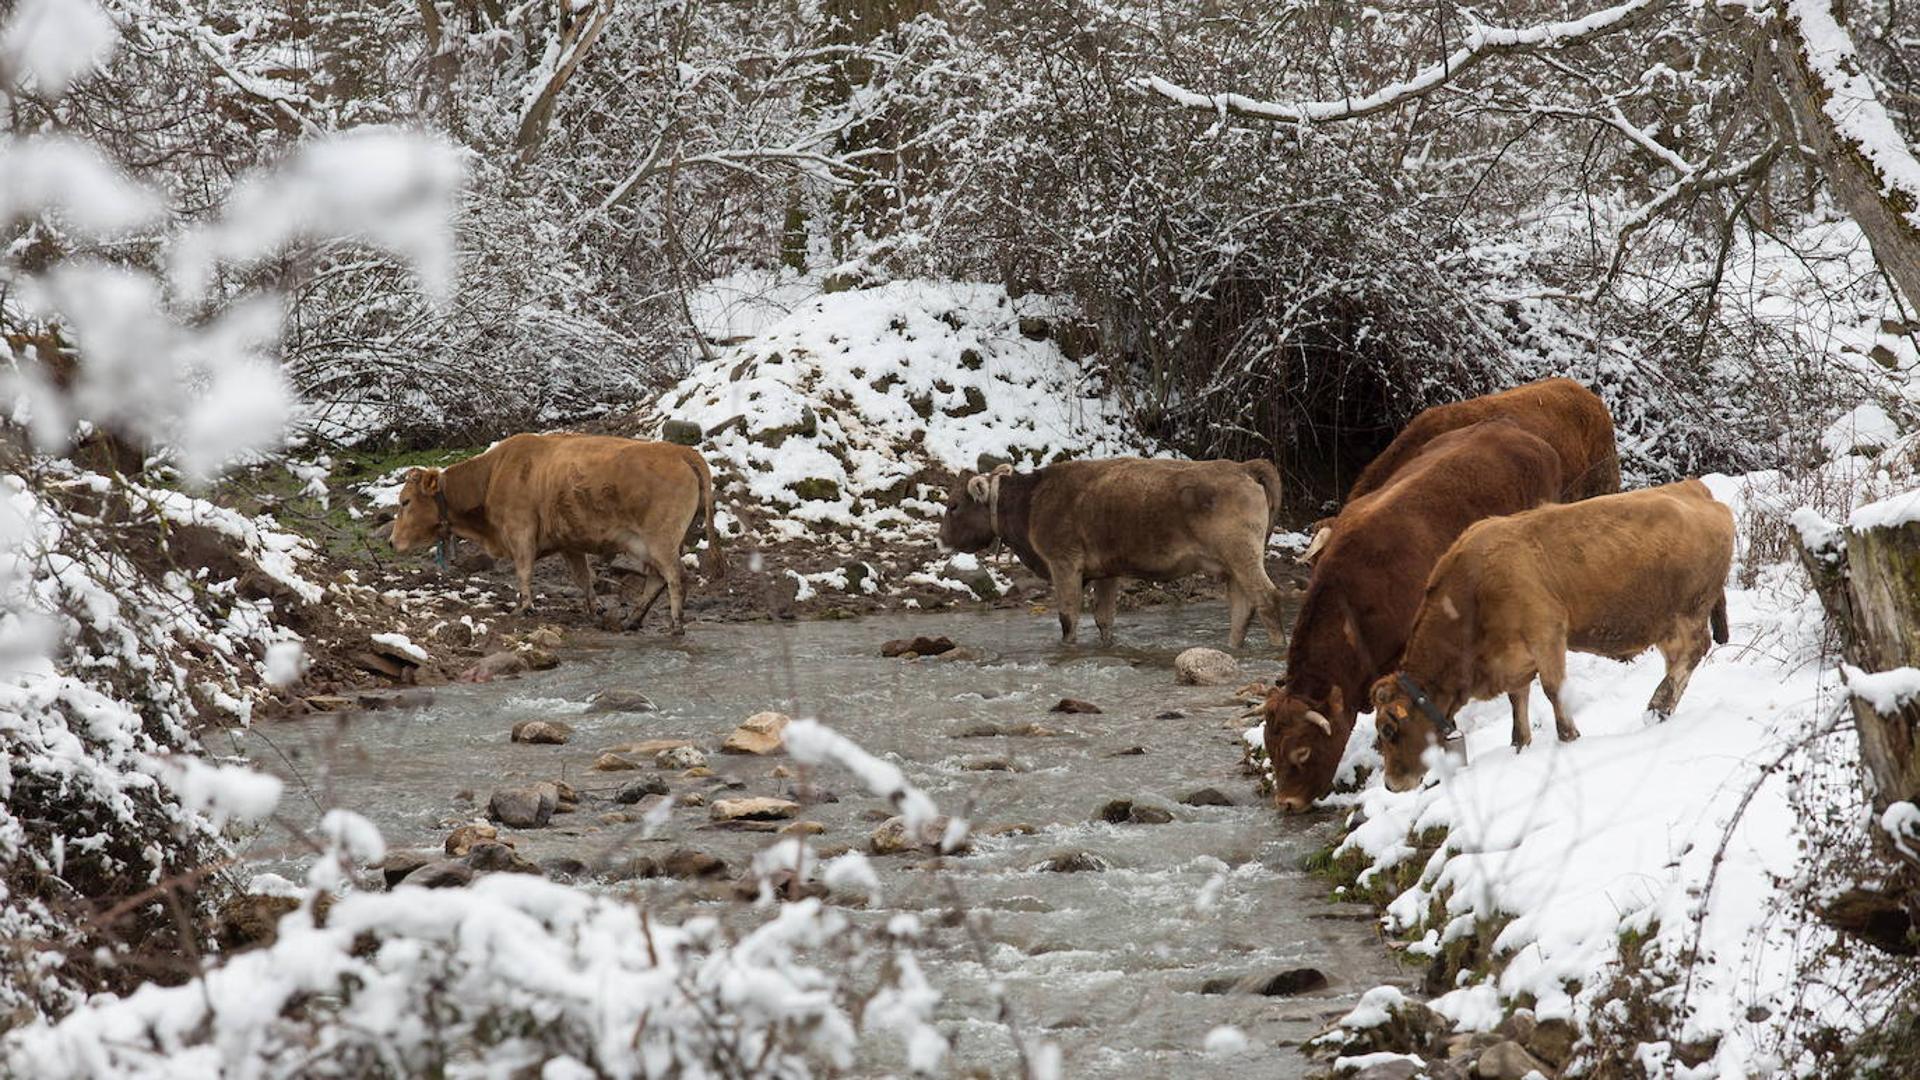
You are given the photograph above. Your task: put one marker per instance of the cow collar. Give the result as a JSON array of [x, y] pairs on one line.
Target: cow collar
[[1441, 721], [993, 505], [446, 526]]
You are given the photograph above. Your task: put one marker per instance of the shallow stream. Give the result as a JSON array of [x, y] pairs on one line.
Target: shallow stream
[[1109, 963]]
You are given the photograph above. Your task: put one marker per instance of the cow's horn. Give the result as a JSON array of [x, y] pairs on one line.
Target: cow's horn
[[1003, 469], [1319, 721], [1313, 548], [977, 488]]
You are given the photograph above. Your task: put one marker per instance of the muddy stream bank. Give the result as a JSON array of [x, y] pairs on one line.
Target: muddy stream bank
[[1121, 960]]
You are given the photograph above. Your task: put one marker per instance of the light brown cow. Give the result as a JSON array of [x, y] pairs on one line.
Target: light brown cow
[[1611, 576], [1571, 418], [1077, 522], [573, 495]]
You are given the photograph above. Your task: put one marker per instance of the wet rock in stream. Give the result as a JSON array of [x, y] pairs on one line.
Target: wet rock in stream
[[1206, 796], [618, 699], [529, 807], [1275, 984], [609, 761], [495, 857], [1128, 812], [542, 732], [680, 757], [678, 863], [1073, 862], [893, 837], [917, 646], [1075, 706], [1205, 667], [398, 864], [635, 790], [761, 733], [500, 665], [440, 874], [755, 808], [461, 840]]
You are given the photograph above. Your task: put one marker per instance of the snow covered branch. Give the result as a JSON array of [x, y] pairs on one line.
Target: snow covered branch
[[1481, 43]]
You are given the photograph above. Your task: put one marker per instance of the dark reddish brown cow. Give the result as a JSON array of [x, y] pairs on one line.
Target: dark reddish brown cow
[[1361, 601]]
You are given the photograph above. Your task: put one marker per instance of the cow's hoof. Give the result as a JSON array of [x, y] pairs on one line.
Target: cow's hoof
[[677, 630], [1567, 735]]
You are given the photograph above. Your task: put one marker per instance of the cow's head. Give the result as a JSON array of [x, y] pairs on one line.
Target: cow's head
[[1305, 742], [1409, 721], [418, 522], [968, 524]]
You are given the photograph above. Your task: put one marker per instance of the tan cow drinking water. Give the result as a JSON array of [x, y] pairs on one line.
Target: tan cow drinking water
[[572, 495], [1080, 522], [1613, 576]]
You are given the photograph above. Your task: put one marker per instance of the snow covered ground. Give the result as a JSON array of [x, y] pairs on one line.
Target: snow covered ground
[[1677, 850]]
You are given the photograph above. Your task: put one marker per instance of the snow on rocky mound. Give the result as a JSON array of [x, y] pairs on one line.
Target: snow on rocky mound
[[852, 410]]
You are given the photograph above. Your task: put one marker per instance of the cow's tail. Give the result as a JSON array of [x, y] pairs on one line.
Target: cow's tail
[[1268, 476], [1719, 620], [712, 562]]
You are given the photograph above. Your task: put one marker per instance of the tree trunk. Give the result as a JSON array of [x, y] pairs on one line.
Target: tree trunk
[[1869, 582], [1850, 137]]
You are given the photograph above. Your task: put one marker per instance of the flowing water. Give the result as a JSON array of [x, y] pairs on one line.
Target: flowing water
[[1109, 963]]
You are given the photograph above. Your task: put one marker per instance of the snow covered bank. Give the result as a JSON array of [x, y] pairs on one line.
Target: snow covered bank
[[850, 413], [1660, 868]]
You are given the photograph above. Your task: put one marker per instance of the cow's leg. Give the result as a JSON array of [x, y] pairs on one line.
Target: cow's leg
[[649, 593], [1239, 614], [1551, 657], [1066, 596], [523, 560], [670, 569], [583, 578], [1106, 593], [1248, 583], [1522, 723], [1682, 652]]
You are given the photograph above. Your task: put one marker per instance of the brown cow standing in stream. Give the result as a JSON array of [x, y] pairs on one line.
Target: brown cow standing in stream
[[1080, 522], [1365, 590], [1571, 418], [530, 496], [1612, 576]]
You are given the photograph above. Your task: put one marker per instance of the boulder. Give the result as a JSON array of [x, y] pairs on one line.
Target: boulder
[[440, 874], [493, 666], [684, 432], [542, 732], [544, 637], [527, 807], [1074, 705], [538, 659], [1206, 796], [893, 837], [761, 733], [1552, 1040], [918, 646], [1508, 1061], [1128, 812], [634, 790], [755, 808], [1073, 862], [398, 864], [1205, 667], [461, 840], [680, 757], [619, 699], [491, 856], [609, 761]]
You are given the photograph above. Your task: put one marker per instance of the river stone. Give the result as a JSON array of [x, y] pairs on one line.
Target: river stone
[[1074, 705], [693, 798], [1552, 1040], [537, 658], [893, 837], [1073, 862], [635, 790], [491, 856], [803, 828], [759, 734], [619, 699], [1253, 691], [1129, 751], [608, 761], [543, 732], [1206, 796], [1018, 828], [918, 646], [754, 808], [987, 764], [1128, 812], [1508, 1061], [440, 874], [565, 869], [678, 863], [528, 807], [493, 666], [461, 840], [1170, 714], [684, 432], [1205, 667], [1284, 983], [1517, 1027], [544, 637], [1412, 1027], [398, 864], [1395, 1069], [680, 757]]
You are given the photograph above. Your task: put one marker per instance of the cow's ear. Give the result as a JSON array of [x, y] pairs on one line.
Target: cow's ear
[[977, 488], [429, 480], [1382, 691], [1299, 754]]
